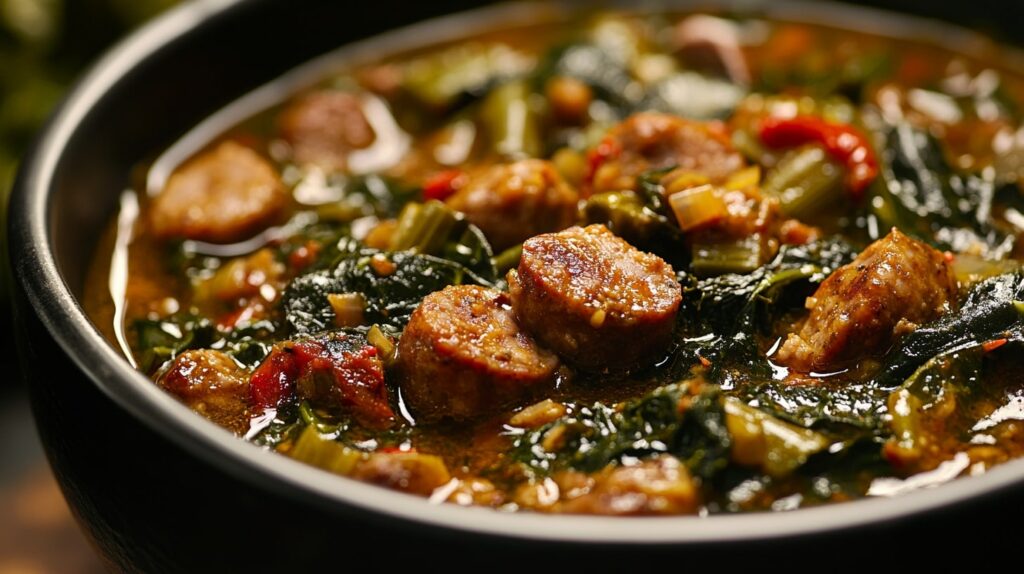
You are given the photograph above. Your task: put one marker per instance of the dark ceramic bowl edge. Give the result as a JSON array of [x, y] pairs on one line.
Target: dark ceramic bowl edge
[[38, 277]]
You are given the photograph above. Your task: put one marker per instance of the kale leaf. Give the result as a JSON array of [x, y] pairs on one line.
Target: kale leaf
[[593, 437], [919, 193], [390, 296]]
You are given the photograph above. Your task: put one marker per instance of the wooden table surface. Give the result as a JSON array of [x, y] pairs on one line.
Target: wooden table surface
[[38, 535]]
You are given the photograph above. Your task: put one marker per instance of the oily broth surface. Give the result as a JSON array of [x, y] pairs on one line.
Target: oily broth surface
[[155, 288]]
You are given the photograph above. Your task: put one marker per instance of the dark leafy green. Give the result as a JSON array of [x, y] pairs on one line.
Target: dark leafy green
[[920, 194], [721, 316], [390, 298], [164, 339], [991, 311], [599, 435], [594, 66]]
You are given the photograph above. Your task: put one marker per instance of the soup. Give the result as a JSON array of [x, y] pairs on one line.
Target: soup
[[654, 264]]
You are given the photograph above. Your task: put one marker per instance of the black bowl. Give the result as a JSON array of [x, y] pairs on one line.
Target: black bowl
[[158, 488]]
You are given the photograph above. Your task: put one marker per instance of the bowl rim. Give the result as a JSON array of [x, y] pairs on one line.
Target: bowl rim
[[31, 244]]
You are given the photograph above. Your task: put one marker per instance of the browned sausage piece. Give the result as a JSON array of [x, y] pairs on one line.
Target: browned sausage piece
[[659, 486], [651, 140], [893, 286], [212, 384], [513, 202], [223, 195], [463, 356], [594, 299], [406, 471], [324, 126]]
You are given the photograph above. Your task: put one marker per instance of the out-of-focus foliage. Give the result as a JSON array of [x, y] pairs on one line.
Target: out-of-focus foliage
[[44, 45]]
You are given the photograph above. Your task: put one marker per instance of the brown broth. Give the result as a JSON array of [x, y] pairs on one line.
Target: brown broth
[[156, 287]]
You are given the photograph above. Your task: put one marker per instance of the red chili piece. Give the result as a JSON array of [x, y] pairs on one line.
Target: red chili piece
[[843, 142], [334, 372], [443, 185]]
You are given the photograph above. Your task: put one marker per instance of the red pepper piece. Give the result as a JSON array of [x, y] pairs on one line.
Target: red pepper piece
[[345, 376], [273, 382], [443, 185], [608, 149], [843, 142], [304, 255], [992, 345], [334, 372]]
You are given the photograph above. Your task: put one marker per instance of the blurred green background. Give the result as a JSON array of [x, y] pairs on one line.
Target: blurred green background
[[44, 46]]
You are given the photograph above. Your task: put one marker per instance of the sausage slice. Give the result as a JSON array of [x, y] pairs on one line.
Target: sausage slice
[[893, 286], [651, 140], [463, 356], [224, 195], [594, 299], [513, 202], [324, 126]]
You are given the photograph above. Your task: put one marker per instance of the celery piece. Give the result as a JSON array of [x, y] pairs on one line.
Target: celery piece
[[313, 449], [804, 181], [759, 439], [384, 344], [423, 228], [442, 78], [508, 259], [736, 256], [510, 121]]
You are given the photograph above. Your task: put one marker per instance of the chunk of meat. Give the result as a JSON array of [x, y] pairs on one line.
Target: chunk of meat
[[337, 371], [657, 486], [212, 384], [660, 486], [513, 202], [712, 44], [896, 284], [410, 472], [463, 356], [594, 299], [223, 195], [324, 126], [651, 140]]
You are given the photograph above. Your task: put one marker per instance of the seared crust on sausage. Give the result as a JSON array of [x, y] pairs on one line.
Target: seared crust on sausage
[[212, 384], [463, 356], [324, 126], [513, 202], [594, 299], [223, 195], [652, 140], [896, 284]]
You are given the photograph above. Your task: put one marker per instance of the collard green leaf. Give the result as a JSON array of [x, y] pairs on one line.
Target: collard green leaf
[[990, 311], [392, 284], [596, 436], [919, 193]]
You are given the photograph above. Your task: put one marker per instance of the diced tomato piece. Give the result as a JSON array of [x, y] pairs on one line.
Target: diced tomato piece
[[443, 185], [605, 151], [304, 255], [331, 372], [273, 382]]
